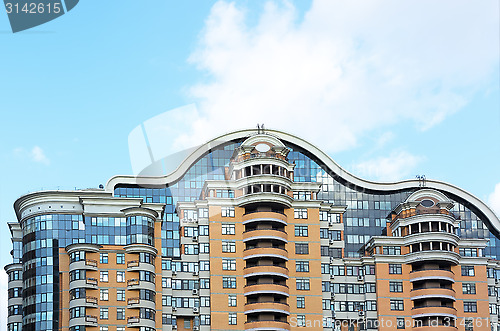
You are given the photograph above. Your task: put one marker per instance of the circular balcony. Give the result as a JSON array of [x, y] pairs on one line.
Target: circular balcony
[[433, 311], [266, 289], [434, 255], [136, 303], [432, 292], [88, 320], [136, 284], [137, 322], [270, 325], [141, 248], [87, 264], [265, 270], [265, 234], [89, 283], [89, 302], [267, 307], [432, 274], [422, 237], [138, 266], [265, 252], [263, 197], [268, 216]]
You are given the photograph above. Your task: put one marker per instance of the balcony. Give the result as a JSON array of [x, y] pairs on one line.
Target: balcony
[[430, 311], [269, 216], [89, 302], [136, 284], [138, 266], [432, 292], [432, 274], [136, 303], [265, 234], [265, 270], [263, 197], [265, 252], [137, 322], [87, 264], [267, 325], [267, 307], [267, 289], [433, 255]]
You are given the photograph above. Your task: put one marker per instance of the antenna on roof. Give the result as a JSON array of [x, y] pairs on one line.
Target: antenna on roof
[[421, 180]]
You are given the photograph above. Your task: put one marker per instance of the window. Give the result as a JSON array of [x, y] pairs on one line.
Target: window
[[203, 212], [224, 193], [120, 313], [228, 229], [103, 328], [396, 287], [228, 282], [395, 269], [468, 270], [400, 323], [232, 319], [187, 324], [228, 246], [103, 276], [120, 328], [203, 230], [392, 250], [397, 305], [204, 248], [493, 309], [301, 320], [469, 288], [300, 213], [120, 258], [470, 307], [302, 266], [302, 284], [469, 252], [103, 258], [301, 248], [228, 264], [231, 300], [120, 295], [191, 249], [227, 211], [120, 276], [301, 231], [103, 313], [104, 294], [301, 301]]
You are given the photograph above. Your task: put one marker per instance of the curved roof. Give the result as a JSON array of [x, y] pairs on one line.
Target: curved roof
[[323, 158]]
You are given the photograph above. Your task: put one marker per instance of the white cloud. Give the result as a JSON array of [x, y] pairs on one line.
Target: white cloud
[[38, 155], [347, 68], [397, 166], [3, 298], [494, 200]]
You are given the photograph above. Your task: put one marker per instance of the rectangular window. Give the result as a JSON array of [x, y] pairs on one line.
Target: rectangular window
[[231, 300], [302, 284], [120, 258], [469, 288], [392, 250], [301, 302], [191, 249], [227, 211], [232, 319], [228, 229], [301, 248], [301, 320], [302, 266], [120, 276], [228, 264], [120, 313], [395, 269], [103, 276], [396, 286], [470, 307], [103, 258], [301, 231], [468, 270], [120, 295], [400, 323], [104, 294], [228, 246], [300, 213], [228, 282], [397, 305], [103, 313]]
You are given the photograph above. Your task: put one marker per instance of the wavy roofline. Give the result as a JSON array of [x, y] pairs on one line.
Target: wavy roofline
[[324, 158]]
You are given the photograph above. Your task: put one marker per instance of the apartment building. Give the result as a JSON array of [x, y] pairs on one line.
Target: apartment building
[[254, 231]]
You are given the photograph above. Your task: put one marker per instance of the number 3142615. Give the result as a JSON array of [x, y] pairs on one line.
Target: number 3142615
[[33, 8]]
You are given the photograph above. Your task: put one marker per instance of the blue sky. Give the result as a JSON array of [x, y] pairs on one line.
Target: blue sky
[[389, 89]]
